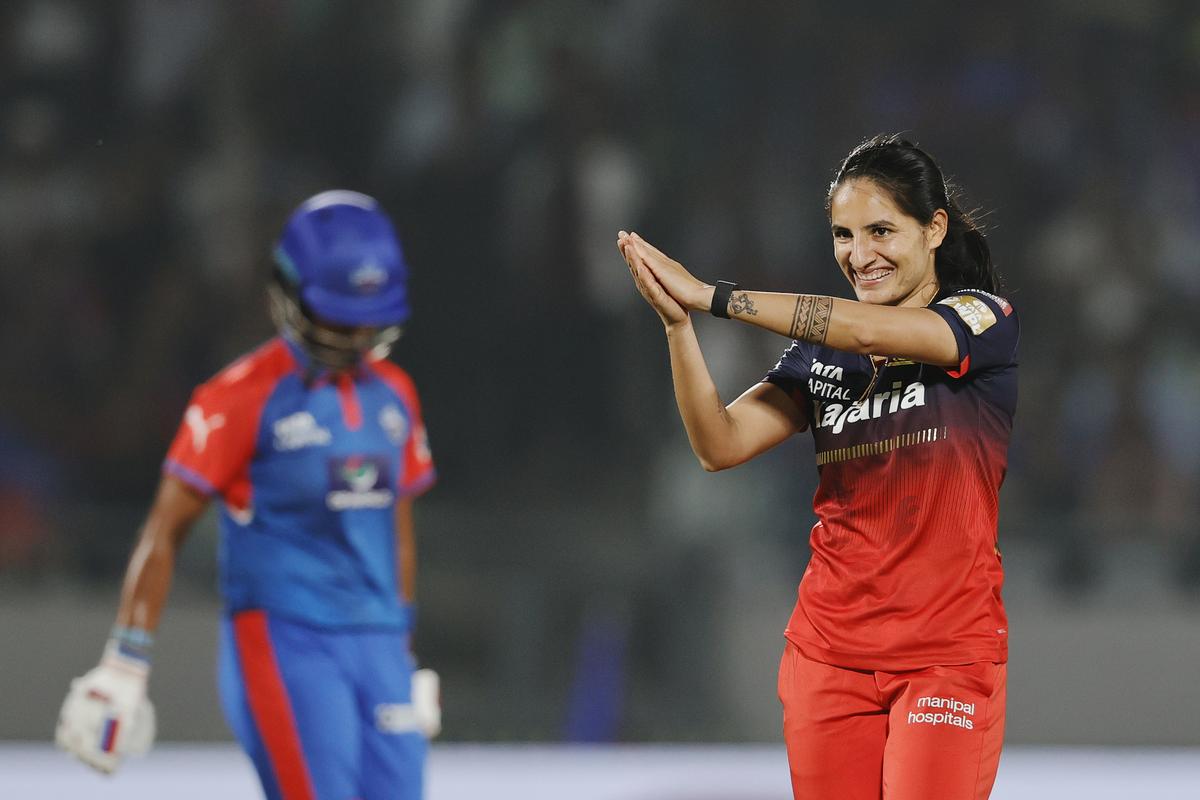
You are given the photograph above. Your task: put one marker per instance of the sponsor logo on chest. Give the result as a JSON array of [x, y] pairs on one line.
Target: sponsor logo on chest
[[835, 404], [836, 416], [299, 430], [358, 482], [824, 382]]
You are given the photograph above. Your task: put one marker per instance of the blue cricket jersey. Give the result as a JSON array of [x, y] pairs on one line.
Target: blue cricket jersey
[[309, 470]]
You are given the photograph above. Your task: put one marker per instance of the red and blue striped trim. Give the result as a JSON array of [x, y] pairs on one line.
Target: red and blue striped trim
[[189, 476], [420, 485], [108, 740], [270, 706], [963, 368]]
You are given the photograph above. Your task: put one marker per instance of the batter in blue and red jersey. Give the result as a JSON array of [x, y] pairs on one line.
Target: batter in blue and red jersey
[[893, 678], [315, 446], [309, 465]]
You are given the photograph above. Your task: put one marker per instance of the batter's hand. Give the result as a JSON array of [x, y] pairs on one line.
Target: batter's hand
[[670, 310], [107, 715]]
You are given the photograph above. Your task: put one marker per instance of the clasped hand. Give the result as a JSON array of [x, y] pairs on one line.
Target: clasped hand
[[665, 284]]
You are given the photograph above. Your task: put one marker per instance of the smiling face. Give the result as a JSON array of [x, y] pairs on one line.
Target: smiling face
[[887, 256]]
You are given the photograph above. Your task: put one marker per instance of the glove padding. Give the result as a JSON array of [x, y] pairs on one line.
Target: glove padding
[[107, 714], [427, 702]]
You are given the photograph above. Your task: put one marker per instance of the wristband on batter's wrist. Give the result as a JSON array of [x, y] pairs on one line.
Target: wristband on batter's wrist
[[720, 299], [131, 642]]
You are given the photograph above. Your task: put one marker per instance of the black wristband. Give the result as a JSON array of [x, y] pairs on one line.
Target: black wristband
[[720, 301]]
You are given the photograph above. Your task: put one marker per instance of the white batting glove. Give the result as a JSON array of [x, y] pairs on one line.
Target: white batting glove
[[427, 702], [107, 714]]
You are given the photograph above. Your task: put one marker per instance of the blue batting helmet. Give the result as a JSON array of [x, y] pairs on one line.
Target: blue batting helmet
[[341, 284], [340, 253]]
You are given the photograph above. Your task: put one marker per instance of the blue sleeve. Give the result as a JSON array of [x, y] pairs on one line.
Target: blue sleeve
[[985, 327], [792, 372]]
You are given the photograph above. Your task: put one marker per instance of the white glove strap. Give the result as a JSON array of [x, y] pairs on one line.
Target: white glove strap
[[124, 662], [422, 714]]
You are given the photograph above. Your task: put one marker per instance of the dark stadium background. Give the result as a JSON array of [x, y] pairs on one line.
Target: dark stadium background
[[582, 578]]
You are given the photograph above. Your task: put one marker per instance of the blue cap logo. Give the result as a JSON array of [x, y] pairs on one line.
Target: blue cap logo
[[368, 278], [341, 255]]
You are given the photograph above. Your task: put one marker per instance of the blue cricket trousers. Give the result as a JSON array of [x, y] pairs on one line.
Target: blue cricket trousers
[[324, 714]]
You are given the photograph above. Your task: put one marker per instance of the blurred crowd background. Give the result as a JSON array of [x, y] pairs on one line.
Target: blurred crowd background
[[582, 577]]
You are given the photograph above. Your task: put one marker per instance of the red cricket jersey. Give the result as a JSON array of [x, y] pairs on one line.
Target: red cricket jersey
[[905, 572]]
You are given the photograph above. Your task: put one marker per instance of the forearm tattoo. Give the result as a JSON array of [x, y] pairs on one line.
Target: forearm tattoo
[[811, 320], [741, 303]]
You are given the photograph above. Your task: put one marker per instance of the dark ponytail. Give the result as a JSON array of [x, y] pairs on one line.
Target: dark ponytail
[[918, 188]]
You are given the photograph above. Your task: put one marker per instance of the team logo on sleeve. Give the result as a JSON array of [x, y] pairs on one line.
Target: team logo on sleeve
[[359, 482], [972, 311], [299, 430]]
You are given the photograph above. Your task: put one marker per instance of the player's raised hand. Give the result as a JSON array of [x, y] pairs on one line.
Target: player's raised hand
[[670, 311], [107, 714], [690, 292]]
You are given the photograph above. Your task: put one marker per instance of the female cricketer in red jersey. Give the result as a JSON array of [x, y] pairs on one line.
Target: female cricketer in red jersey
[[893, 676]]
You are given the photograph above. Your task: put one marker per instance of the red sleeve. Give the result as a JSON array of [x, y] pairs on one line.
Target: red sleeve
[[419, 473], [216, 440]]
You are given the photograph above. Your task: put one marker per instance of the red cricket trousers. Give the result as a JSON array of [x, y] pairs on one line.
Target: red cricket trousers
[[930, 734]]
